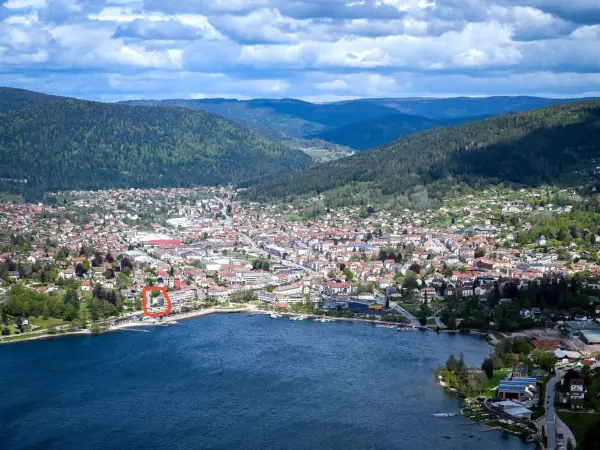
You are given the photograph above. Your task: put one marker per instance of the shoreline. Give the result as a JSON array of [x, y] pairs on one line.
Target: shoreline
[[204, 312], [124, 326]]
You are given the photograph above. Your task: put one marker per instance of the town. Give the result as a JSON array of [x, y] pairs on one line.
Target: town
[[510, 265]]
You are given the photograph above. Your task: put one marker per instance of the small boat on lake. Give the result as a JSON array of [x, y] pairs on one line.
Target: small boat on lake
[[275, 316], [444, 415]]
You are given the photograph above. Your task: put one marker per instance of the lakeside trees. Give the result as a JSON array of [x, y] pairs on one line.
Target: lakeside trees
[[22, 302], [469, 382]]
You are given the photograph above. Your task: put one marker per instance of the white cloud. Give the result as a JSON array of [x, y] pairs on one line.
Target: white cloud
[[24, 4], [335, 85], [305, 48]]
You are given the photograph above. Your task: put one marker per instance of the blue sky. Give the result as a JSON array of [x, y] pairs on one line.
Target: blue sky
[[318, 50]]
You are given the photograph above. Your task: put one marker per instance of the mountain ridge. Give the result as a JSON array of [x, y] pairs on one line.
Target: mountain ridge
[[527, 148], [78, 144]]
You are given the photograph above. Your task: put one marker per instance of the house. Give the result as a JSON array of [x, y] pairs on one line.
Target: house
[[576, 393], [466, 291], [427, 293], [289, 293], [86, 286], [519, 371], [566, 356], [514, 409], [338, 288], [266, 297], [515, 390], [541, 241], [68, 273]]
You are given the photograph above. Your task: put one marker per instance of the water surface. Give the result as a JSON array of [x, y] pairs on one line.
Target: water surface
[[237, 381]]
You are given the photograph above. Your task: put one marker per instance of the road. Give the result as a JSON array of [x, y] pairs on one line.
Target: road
[[412, 319], [550, 411], [553, 423], [438, 322]]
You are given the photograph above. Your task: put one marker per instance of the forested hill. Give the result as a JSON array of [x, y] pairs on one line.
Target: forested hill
[[280, 118], [80, 144], [17, 99], [358, 124], [528, 148], [382, 130]]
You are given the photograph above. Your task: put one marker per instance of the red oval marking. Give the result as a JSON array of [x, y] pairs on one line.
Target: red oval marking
[[163, 291]]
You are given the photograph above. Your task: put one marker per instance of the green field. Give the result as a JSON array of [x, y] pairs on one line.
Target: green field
[[499, 375], [51, 322], [579, 422]]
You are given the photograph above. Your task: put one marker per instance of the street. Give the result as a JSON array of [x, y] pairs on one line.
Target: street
[[412, 319], [554, 425]]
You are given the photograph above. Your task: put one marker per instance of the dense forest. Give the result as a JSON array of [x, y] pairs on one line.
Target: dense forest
[[285, 118], [358, 124], [527, 148], [78, 144], [18, 99]]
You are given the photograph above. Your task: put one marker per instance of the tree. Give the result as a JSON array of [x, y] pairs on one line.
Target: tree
[[125, 262], [6, 331], [545, 360], [410, 280], [423, 313], [45, 311], [488, 367], [71, 298], [109, 258], [452, 364], [349, 274], [480, 252], [415, 268], [446, 271], [80, 270]]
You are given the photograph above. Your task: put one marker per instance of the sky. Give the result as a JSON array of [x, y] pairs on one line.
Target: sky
[[316, 50]]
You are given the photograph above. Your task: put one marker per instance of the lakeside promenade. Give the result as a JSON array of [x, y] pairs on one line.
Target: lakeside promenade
[[198, 313]]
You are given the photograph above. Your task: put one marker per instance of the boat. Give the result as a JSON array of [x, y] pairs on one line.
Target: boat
[[275, 316], [323, 320], [444, 415], [299, 318]]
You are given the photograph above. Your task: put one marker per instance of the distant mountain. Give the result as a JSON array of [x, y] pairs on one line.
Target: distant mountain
[[530, 148], [285, 118], [382, 130], [17, 99], [357, 124], [72, 143], [449, 108]]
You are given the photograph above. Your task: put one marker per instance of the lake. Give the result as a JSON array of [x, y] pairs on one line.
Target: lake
[[237, 381]]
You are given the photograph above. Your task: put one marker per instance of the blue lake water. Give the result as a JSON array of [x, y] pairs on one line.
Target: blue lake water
[[237, 381]]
